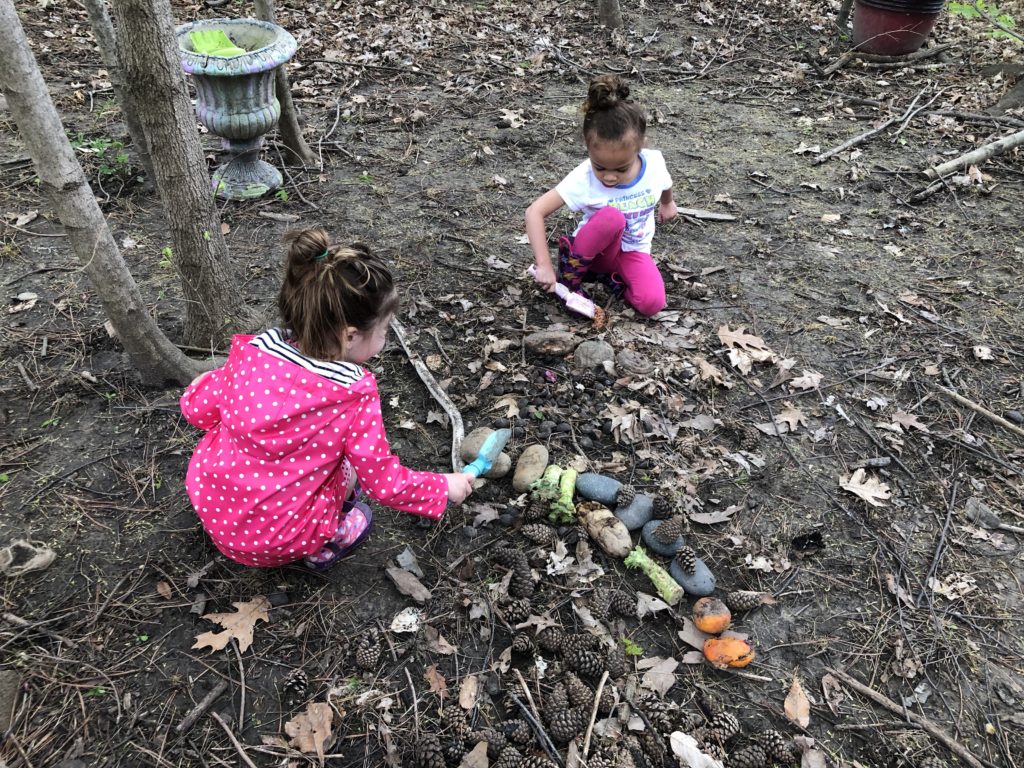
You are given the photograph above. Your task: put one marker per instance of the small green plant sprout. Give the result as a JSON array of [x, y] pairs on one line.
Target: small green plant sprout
[[166, 257], [4, 477], [365, 177], [631, 648], [562, 508], [1005, 24], [545, 488], [668, 588], [282, 195], [99, 690]]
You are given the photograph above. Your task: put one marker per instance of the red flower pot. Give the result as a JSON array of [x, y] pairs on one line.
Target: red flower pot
[[893, 27]]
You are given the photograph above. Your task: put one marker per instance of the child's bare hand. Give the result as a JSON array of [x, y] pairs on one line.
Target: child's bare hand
[[667, 211], [460, 485], [545, 277]]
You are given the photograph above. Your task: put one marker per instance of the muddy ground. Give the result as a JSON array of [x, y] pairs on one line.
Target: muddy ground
[[437, 125]]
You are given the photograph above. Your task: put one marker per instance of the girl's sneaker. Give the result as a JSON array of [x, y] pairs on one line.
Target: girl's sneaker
[[355, 527]]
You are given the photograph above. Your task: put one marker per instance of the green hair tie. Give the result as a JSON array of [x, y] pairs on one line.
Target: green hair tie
[[323, 256]]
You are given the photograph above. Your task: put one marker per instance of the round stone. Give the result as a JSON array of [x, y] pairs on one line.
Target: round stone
[[595, 487], [591, 354], [637, 513], [700, 583], [655, 544]]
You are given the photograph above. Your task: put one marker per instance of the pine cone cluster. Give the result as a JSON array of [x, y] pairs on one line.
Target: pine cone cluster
[[516, 609], [744, 600], [368, 650], [429, 753], [539, 533], [750, 756], [687, 559]]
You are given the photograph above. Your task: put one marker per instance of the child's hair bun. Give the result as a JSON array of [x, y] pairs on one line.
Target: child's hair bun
[[306, 246], [606, 92]]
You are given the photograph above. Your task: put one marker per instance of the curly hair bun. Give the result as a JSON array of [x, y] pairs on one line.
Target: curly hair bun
[[305, 245], [606, 92]]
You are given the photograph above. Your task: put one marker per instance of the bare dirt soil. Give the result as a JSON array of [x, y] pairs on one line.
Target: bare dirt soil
[[878, 333]]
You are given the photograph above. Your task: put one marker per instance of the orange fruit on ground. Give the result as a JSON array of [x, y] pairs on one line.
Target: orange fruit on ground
[[711, 615], [725, 652]]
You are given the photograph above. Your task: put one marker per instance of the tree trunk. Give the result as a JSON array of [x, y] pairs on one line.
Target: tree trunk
[[609, 13], [288, 124], [214, 307], [106, 39], [156, 358]]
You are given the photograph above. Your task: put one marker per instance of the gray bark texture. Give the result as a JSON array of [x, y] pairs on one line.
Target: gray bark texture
[[288, 124], [106, 40], [214, 307], [609, 13], [158, 361]]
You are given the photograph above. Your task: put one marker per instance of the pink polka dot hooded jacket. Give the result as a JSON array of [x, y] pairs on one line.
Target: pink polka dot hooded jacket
[[267, 479]]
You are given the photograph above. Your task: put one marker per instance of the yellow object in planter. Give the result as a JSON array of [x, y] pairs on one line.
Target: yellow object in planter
[[213, 42]]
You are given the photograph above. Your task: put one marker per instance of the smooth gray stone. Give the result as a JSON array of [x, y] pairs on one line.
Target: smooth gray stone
[[699, 584], [637, 513], [595, 487], [655, 545], [591, 354]]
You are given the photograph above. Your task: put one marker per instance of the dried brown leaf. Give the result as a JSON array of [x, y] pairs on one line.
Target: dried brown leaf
[[869, 488], [311, 729], [237, 625], [408, 584], [797, 705], [435, 680]]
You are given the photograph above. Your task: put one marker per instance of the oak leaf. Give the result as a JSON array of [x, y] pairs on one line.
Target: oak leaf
[[808, 380], [436, 680], [237, 625], [311, 729], [869, 488], [740, 339], [660, 675], [797, 706]]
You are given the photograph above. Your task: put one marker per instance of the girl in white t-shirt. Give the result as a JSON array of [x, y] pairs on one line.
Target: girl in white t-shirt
[[618, 189]]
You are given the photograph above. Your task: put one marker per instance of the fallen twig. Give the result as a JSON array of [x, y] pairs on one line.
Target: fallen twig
[[17, 621], [197, 711], [700, 213], [979, 155], [856, 140], [875, 58], [238, 747], [994, 417], [534, 719], [593, 713], [934, 730], [458, 430]]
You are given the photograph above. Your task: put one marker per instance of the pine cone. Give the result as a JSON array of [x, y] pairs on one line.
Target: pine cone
[[578, 641], [625, 495], [518, 731], [579, 692], [368, 650], [510, 757], [535, 510], [557, 699], [295, 684], [454, 750], [777, 748], [615, 662], [539, 533], [600, 604], [584, 662], [521, 586], [516, 610], [507, 556], [715, 751], [623, 604], [652, 746], [455, 722], [600, 760], [521, 643], [661, 713], [429, 753], [695, 291], [931, 761], [537, 761], [664, 506], [687, 559], [750, 756], [750, 438], [723, 727], [550, 639], [744, 600], [495, 741], [670, 530], [566, 724]]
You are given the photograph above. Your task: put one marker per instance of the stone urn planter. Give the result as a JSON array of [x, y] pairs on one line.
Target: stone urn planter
[[893, 27], [235, 98]]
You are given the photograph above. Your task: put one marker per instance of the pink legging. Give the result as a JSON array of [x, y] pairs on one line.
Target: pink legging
[[600, 243]]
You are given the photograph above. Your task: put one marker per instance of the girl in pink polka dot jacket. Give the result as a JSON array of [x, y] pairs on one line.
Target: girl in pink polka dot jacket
[[293, 420]]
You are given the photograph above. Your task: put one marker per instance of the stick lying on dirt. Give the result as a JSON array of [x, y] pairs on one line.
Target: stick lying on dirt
[[934, 730], [458, 430], [995, 418], [197, 711], [700, 213], [876, 58], [867, 134], [979, 155]]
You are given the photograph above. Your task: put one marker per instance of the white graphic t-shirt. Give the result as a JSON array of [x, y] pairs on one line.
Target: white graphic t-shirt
[[583, 192]]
